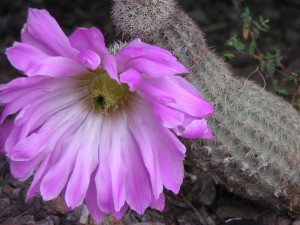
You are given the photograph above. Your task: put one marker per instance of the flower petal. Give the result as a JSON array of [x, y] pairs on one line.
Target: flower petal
[[21, 102], [184, 100], [169, 171], [171, 168], [104, 188], [34, 188], [39, 111], [21, 86], [132, 78], [137, 177], [117, 168], [159, 203], [28, 148], [36, 142], [23, 170], [110, 66], [137, 48], [142, 130], [42, 26], [88, 59], [89, 39], [33, 62], [170, 118], [153, 68], [103, 174], [195, 129], [50, 186], [91, 200], [65, 142], [5, 130], [86, 161], [27, 38]]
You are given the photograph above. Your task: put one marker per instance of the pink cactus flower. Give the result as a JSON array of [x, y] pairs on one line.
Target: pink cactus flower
[[95, 127]]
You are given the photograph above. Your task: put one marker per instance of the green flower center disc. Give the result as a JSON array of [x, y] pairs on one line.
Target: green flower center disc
[[107, 95]]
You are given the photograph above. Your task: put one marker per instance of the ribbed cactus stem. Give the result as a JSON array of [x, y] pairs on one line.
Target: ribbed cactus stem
[[256, 146]]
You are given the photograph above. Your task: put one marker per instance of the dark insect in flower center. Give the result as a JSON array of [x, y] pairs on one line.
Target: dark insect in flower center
[[101, 101]]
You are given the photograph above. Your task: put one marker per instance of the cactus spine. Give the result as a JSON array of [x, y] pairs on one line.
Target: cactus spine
[[256, 149]]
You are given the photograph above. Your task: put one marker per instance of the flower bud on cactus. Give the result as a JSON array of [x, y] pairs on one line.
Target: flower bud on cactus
[[256, 146]]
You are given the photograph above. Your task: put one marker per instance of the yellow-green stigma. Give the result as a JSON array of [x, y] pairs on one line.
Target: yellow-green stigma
[[107, 95]]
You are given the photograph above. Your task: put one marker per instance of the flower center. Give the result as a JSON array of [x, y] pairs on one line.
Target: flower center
[[106, 94]]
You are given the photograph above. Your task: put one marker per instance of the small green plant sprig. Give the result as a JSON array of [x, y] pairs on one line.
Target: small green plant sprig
[[269, 62]]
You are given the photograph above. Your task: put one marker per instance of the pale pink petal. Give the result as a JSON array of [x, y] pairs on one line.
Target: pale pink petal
[[86, 161], [183, 100], [185, 84], [162, 142], [62, 197], [159, 203], [28, 148], [34, 188], [171, 168], [55, 67], [110, 66], [3, 86], [66, 143], [103, 175], [118, 214], [104, 188], [174, 143], [138, 187], [88, 59], [33, 62], [137, 48], [37, 113], [21, 86], [136, 174], [197, 128], [5, 130], [91, 200], [49, 91], [23, 170], [36, 142], [155, 68], [16, 135], [28, 119], [169, 152], [21, 102], [50, 186], [117, 167], [20, 55], [170, 118], [89, 39], [132, 78], [27, 38], [42, 26], [143, 132]]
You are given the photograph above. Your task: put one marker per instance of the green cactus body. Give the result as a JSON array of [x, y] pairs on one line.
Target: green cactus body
[[256, 146]]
